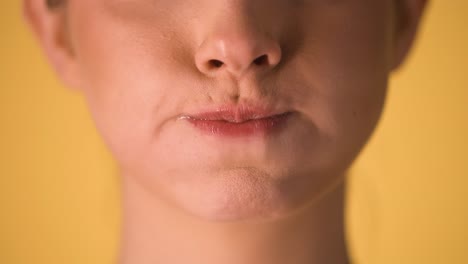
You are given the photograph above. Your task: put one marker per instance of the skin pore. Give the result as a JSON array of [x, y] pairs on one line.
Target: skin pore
[[190, 197]]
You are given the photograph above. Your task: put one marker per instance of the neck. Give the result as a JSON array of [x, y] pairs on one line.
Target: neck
[[153, 232]]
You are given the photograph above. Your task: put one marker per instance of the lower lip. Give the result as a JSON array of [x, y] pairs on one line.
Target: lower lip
[[255, 127]]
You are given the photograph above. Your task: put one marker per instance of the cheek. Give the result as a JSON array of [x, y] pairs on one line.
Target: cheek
[[347, 71], [127, 84], [350, 104], [358, 91]]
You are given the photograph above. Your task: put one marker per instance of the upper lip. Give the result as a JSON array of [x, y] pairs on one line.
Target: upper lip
[[235, 114]]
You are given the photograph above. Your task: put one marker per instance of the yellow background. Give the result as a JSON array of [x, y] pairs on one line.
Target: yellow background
[[59, 196]]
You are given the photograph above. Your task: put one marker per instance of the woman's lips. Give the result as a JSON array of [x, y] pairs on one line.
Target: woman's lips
[[240, 122]]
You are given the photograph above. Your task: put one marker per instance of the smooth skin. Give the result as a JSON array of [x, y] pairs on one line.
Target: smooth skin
[[195, 198]]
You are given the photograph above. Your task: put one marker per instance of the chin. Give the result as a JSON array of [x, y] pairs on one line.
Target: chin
[[242, 194]]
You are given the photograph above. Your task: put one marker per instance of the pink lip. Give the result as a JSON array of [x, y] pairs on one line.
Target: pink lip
[[239, 121]]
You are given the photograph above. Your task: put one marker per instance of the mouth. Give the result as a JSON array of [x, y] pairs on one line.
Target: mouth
[[239, 121]]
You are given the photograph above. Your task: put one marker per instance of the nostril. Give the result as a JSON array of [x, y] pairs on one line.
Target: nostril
[[261, 60], [215, 63]]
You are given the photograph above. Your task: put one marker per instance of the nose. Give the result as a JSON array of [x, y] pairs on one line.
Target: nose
[[236, 49]]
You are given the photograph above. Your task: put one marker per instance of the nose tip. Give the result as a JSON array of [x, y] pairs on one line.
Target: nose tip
[[237, 54]]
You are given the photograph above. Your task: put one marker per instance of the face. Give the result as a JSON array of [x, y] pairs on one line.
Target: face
[[151, 70]]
